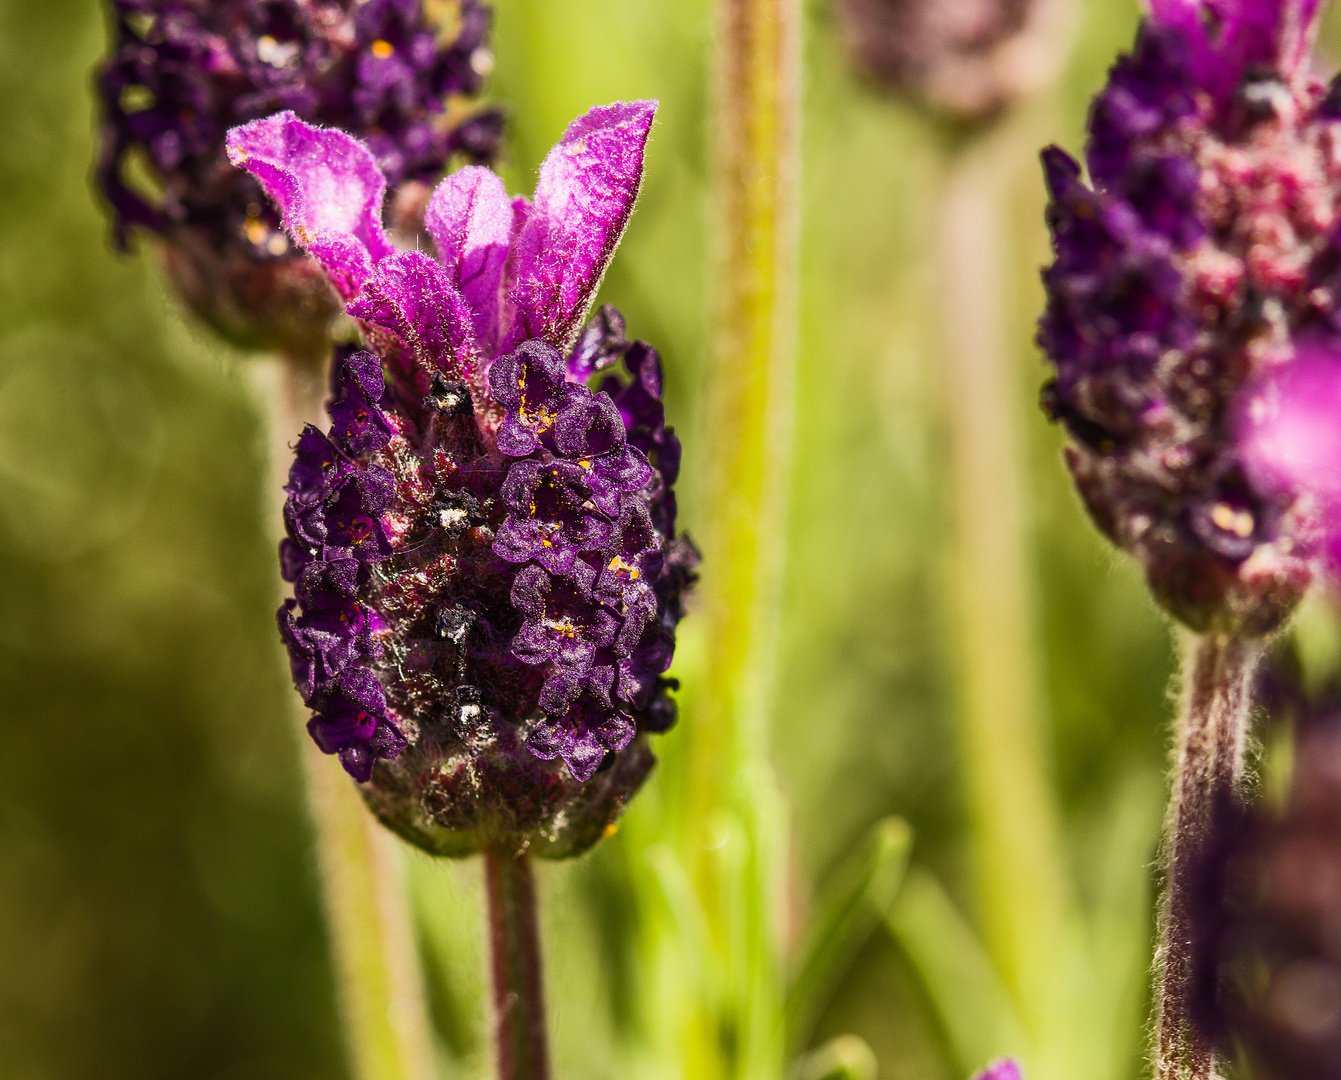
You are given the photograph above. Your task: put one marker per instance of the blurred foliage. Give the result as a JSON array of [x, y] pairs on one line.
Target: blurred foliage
[[158, 908]]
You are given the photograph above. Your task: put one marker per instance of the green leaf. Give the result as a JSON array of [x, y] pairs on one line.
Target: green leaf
[[844, 1058], [851, 906], [957, 974]]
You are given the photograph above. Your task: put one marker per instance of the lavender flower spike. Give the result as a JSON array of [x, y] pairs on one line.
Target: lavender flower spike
[[1193, 274], [487, 578], [398, 73]]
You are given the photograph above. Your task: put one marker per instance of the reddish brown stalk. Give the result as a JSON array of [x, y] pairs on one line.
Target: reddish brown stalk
[[1207, 773], [519, 993]]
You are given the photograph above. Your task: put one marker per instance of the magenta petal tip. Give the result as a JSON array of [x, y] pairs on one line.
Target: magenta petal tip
[[327, 186]]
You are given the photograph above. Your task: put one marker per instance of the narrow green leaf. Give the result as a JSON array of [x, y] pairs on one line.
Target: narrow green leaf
[[687, 916], [844, 1058], [851, 906], [957, 974]]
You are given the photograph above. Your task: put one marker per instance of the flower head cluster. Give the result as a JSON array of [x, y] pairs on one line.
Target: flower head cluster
[[181, 72], [1269, 920], [1195, 291], [486, 575], [968, 58]]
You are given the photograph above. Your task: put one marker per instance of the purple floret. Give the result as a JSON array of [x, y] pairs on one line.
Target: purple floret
[[1196, 264], [487, 575]]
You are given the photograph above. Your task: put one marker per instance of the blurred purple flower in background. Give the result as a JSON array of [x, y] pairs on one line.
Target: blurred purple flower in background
[[1000, 1070], [1269, 919], [398, 73], [487, 577], [967, 58], [1193, 304]]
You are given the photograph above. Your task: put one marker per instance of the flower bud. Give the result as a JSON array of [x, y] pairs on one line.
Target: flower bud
[[181, 72], [1194, 270], [487, 579]]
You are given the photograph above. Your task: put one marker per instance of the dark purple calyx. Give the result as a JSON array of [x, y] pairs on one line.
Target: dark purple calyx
[[1202, 257]]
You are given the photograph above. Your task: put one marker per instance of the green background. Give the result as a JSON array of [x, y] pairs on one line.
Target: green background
[[159, 915]]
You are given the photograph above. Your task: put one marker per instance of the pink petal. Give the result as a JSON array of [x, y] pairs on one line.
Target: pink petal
[[412, 295], [1005, 1069], [1289, 428], [327, 186], [470, 220], [1288, 431], [1277, 34], [588, 185]]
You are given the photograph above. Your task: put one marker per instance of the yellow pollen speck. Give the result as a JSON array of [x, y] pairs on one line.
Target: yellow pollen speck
[[1238, 522], [611, 829], [383, 50], [617, 564]]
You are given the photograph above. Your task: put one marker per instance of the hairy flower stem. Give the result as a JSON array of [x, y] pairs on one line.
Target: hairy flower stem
[[1212, 731], [738, 853], [1024, 896], [372, 937], [519, 993]]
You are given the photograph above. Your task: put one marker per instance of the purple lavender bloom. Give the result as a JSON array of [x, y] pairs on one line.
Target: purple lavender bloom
[[487, 575], [1006, 1069], [1194, 271], [1268, 948], [966, 58], [398, 73]]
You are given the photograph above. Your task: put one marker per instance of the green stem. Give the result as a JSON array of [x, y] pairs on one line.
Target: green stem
[[519, 998], [1212, 731], [757, 166], [753, 370], [1022, 884], [372, 937]]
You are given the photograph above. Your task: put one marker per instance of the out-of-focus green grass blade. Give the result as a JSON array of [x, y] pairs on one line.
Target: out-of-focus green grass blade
[[844, 1058], [1109, 1040], [449, 908], [852, 904], [979, 1021], [687, 916]]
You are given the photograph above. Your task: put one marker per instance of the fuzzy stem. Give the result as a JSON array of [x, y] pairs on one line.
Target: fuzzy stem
[[1212, 731], [373, 945], [753, 369], [736, 849], [519, 994], [1025, 899]]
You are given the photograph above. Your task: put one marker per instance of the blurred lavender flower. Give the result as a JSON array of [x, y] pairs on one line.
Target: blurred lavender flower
[[487, 578], [968, 58], [1195, 292], [181, 72], [1269, 920], [1006, 1069]]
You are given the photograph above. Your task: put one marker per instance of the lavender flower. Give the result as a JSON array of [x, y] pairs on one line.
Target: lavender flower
[[182, 72], [1005, 1069], [1198, 270], [486, 575], [968, 58], [1269, 921]]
